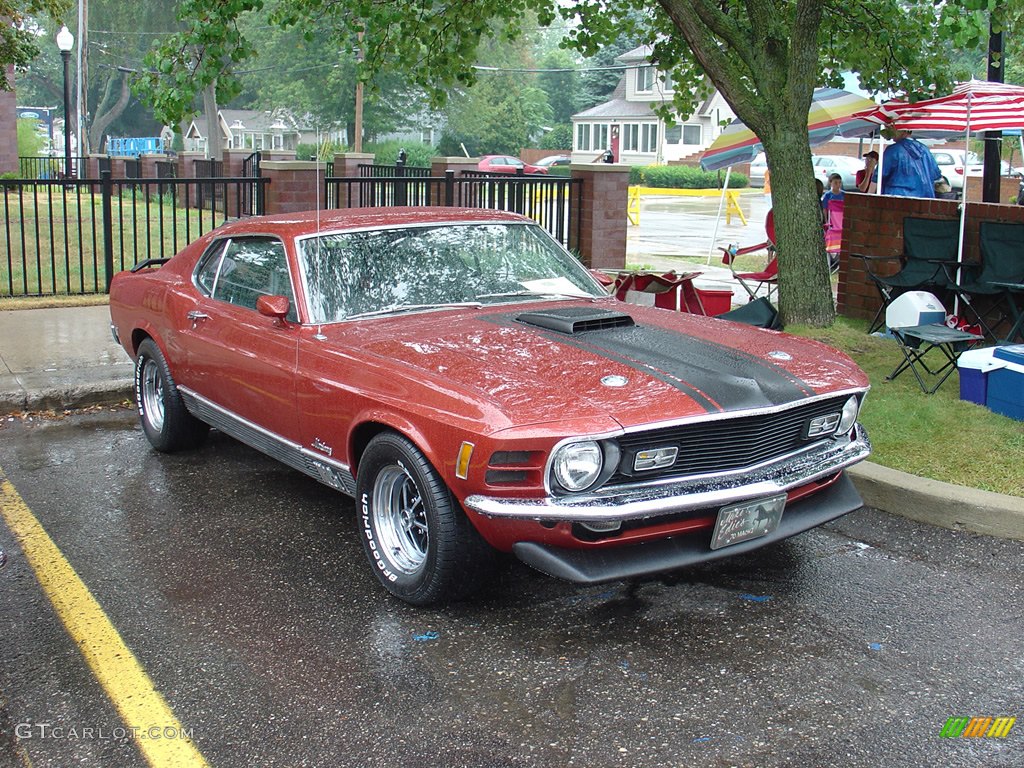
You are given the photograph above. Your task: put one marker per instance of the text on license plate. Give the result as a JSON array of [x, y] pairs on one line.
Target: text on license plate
[[748, 520]]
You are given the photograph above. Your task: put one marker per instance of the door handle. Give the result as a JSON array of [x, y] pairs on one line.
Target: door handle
[[195, 316]]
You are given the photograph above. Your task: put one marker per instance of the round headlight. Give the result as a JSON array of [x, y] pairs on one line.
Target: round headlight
[[576, 466], [849, 417]]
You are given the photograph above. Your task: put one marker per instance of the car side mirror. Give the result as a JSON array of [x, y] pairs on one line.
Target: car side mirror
[[273, 306]]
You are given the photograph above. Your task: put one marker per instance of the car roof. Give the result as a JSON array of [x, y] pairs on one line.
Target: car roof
[[311, 222]]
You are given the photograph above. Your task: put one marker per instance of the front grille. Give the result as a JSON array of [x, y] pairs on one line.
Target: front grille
[[725, 445]]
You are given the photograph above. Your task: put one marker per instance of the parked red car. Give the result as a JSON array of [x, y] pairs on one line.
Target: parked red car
[[507, 164], [471, 385]]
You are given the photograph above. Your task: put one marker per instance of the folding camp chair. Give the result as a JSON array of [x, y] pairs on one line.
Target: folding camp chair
[[1000, 275], [927, 245], [668, 291], [768, 278], [834, 233]]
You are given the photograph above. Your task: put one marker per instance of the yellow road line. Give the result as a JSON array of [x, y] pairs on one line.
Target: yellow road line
[[158, 734]]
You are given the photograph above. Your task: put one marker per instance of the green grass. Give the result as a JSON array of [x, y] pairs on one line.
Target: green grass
[[937, 436]]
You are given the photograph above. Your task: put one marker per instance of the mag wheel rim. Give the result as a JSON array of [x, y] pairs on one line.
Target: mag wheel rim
[[152, 395], [400, 518]]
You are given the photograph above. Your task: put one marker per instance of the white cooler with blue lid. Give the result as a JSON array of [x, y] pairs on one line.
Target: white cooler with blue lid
[[914, 308]]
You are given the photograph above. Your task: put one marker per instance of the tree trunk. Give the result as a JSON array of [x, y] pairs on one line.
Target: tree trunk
[[105, 117], [214, 140], [805, 288]]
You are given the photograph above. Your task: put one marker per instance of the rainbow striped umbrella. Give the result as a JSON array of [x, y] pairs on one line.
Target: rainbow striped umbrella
[[831, 115]]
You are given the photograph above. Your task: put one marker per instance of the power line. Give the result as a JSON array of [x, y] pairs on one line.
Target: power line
[[608, 68]]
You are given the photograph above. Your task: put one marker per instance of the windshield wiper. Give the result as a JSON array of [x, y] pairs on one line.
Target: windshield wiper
[[412, 308]]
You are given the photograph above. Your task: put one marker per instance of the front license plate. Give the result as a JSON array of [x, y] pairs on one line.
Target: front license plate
[[749, 520]]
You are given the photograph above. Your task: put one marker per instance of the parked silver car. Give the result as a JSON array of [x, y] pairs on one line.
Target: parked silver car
[[757, 168], [847, 167]]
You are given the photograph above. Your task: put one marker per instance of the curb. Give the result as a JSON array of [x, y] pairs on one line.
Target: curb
[[71, 397], [943, 504]]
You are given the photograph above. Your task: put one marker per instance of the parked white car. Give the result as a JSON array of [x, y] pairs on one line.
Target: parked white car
[[757, 168], [951, 163], [847, 167]]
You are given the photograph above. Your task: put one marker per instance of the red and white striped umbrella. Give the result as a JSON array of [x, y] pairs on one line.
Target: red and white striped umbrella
[[977, 105]]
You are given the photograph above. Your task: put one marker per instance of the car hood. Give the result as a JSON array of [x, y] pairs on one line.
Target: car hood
[[636, 365]]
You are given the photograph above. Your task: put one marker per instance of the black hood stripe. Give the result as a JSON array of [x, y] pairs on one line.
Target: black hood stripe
[[718, 377]]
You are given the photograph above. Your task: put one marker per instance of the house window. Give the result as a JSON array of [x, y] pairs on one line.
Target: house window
[[645, 79], [601, 136], [673, 134], [630, 137], [649, 138], [691, 134], [583, 136]]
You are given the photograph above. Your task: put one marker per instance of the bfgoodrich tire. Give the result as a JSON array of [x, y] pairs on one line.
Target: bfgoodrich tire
[[167, 423], [420, 544]]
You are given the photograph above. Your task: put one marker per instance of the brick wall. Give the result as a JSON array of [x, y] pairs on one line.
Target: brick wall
[[8, 127], [873, 225]]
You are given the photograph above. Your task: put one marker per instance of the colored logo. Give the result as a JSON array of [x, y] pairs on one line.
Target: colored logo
[[977, 727]]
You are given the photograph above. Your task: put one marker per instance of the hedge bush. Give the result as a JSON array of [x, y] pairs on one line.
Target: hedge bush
[[683, 177]]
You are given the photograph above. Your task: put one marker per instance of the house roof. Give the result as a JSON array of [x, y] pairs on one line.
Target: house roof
[[617, 106], [643, 53], [252, 120]]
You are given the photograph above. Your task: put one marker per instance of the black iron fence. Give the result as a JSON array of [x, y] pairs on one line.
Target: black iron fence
[[71, 236], [554, 203], [46, 167]]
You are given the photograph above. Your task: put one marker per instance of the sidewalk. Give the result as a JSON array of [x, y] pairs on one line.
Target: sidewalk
[[60, 358], [65, 358]]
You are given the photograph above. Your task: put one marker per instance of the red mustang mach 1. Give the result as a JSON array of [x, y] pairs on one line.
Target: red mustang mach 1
[[471, 385]]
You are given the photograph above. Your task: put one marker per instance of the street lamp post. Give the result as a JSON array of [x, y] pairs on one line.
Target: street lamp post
[[65, 42]]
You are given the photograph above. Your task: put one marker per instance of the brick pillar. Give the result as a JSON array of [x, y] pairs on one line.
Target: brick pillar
[[441, 165], [92, 166], [8, 127], [147, 165], [603, 214], [346, 166], [234, 159], [292, 187]]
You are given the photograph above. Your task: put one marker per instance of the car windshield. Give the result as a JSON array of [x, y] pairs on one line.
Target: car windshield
[[350, 274]]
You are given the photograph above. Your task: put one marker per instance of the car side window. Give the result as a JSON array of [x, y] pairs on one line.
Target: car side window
[[253, 267], [206, 270]]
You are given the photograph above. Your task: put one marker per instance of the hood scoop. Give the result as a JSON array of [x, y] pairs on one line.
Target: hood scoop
[[577, 320]]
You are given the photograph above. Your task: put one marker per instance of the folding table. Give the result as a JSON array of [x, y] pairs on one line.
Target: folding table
[[916, 341]]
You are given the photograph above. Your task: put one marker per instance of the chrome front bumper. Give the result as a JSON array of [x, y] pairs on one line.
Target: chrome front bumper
[[673, 496]]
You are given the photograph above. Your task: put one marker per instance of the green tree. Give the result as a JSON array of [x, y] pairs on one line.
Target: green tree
[[18, 29], [764, 56], [30, 141]]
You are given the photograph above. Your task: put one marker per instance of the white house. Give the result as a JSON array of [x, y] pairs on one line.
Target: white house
[[255, 130], [628, 126]]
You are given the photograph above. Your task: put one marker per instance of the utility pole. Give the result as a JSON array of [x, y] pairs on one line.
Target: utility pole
[[993, 139], [358, 143]]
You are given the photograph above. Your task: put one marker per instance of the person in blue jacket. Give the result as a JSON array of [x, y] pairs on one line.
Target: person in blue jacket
[[908, 168]]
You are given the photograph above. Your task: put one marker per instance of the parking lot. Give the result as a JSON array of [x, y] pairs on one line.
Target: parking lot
[[240, 588]]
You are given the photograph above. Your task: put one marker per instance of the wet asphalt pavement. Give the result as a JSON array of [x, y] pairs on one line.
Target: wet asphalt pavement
[[241, 587]]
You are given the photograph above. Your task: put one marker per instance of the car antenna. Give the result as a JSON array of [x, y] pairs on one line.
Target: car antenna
[[319, 336]]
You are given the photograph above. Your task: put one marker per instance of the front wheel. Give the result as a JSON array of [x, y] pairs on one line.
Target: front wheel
[[421, 546], [165, 419]]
